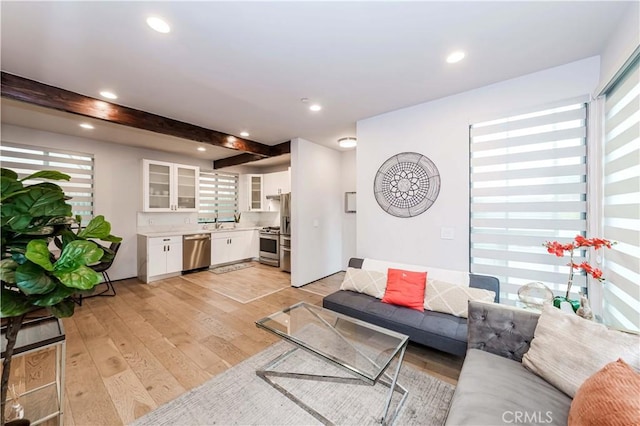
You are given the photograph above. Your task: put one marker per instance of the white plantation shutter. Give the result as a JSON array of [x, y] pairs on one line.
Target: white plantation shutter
[[528, 186], [218, 196], [621, 193], [26, 160]]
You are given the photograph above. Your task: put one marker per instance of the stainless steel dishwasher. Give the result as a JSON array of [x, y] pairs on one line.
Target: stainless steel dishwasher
[[196, 251]]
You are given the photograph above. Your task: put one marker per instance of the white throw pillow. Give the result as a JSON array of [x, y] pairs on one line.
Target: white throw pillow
[[441, 296], [373, 283], [567, 349]]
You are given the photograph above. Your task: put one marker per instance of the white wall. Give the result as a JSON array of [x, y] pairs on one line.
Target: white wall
[[118, 184], [620, 45], [348, 219], [440, 130], [316, 212]]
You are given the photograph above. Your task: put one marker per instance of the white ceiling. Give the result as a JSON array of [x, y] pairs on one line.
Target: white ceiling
[[233, 66]]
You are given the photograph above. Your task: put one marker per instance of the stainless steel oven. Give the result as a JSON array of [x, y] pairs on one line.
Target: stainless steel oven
[[270, 247]]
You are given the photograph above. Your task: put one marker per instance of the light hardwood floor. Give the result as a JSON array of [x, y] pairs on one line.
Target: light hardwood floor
[[129, 354]]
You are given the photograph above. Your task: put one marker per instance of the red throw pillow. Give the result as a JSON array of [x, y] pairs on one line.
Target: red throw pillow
[[405, 288]]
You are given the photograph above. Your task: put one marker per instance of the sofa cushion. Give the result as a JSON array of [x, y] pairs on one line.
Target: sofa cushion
[[435, 329], [405, 288], [441, 296], [372, 283], [493, 390], [567, 349], [611, 396]]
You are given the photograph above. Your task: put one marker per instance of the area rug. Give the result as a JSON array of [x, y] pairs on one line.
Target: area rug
[[231, 268], [239, 397]]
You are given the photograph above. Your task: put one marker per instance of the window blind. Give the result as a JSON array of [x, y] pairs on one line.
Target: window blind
[[26, 160], [621, 199], [218, 196], [528, 186]]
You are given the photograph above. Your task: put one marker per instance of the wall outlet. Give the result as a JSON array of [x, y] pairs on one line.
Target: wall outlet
[[150, 221], [446, 233], [186, 220]]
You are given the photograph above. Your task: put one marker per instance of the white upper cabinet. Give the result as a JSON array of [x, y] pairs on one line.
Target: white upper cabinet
[[255, 192], [169, 187]]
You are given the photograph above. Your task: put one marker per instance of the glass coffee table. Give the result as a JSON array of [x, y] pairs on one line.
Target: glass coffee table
[[364, 350]]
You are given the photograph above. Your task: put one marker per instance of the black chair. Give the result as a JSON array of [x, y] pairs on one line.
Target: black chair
[[109, 291]]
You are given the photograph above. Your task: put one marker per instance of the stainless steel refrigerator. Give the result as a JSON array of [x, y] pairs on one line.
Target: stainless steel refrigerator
[[285, 232]]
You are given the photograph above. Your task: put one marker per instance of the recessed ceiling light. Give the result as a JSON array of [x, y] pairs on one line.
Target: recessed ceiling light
[[202, 148], [109, 95], [347, 142], [244, 134], [231, 138], [158, 24], [86, 126], [315, 107], [456, 56]]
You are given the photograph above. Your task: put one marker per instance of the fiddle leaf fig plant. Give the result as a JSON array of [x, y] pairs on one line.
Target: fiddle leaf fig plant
[[33, 218]]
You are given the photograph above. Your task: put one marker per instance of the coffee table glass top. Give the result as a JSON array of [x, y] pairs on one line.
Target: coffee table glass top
[[364, 349]]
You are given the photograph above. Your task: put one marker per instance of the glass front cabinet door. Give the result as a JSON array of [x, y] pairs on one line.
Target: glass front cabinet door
[[255, 192], [169, 187]]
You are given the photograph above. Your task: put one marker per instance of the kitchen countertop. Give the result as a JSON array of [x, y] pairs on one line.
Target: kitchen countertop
[[200, 230]]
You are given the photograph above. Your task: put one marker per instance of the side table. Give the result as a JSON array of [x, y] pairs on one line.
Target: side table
[[45, 401]]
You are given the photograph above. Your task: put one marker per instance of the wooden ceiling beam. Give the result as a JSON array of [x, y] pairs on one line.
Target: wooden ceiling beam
[[36, 93]]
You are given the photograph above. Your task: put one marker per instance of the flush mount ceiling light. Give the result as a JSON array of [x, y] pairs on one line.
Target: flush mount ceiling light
[[244, 134], [456, 56], [86, 126], [108, 94], [158, 24], [202, 148], [347, 142], [315, 107]]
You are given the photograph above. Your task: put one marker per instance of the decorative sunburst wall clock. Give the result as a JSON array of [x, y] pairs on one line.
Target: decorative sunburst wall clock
[[407, 184]]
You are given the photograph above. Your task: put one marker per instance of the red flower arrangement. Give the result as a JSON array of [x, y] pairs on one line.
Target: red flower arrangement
[[579, 241]]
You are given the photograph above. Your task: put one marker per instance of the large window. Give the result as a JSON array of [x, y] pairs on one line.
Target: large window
[[26, 160], [218, 196], [528, 186], [621, 196]]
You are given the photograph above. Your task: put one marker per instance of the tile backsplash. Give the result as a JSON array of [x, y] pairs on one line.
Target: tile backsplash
[[175, 221]]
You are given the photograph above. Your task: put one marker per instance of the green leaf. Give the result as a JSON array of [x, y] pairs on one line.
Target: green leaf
[[13, 303], [38, 253], [32, 279], [8, 173], [63, 309], [48, 174], [97, 228], [82, 278], [8, 270], [54, 297], [112, 239], [42, 200], [20, 222], [8, 186], [78, 253]]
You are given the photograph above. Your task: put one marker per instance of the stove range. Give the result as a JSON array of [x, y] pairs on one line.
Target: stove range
[[270, 230]]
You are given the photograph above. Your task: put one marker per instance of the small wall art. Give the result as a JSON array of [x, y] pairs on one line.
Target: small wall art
[[407, 184]]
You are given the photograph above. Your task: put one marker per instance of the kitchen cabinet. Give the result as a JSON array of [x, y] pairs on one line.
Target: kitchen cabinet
[[169, 187], [159, 257], [275, 184], [255, 192], [233, 246]]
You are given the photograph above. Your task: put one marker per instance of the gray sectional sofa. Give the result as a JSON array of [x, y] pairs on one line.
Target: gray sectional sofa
[[441, 331], [494, 387]]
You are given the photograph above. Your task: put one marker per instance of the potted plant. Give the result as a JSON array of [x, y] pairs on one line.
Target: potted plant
[[33, 276], [579, 242]]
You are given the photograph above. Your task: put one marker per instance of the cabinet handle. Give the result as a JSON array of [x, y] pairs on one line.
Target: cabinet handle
[[168, 248]]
